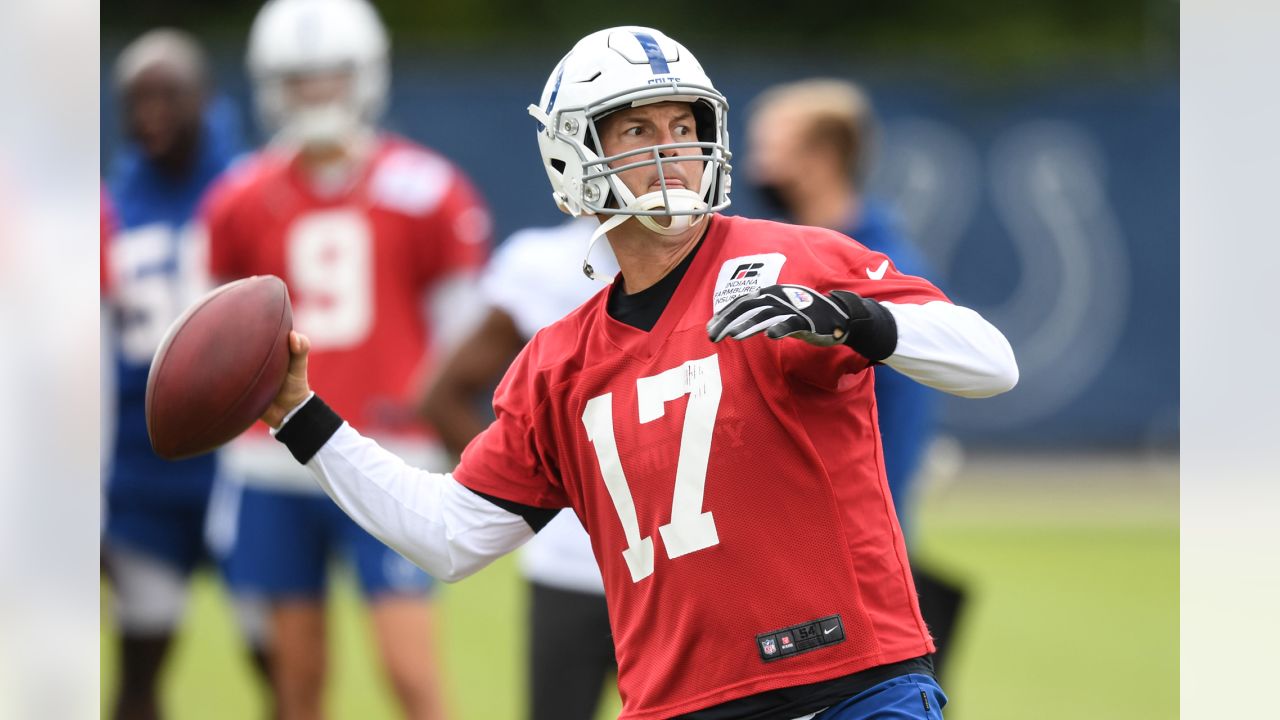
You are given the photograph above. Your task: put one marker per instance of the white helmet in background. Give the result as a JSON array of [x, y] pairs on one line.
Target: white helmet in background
[[322, 42], [614, 69]]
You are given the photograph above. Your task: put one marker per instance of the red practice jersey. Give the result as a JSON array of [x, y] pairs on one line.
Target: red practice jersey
[[734, 493], [107, 228], [358, 266]]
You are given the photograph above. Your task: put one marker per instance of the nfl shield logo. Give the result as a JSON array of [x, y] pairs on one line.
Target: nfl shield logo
[[769, 646]]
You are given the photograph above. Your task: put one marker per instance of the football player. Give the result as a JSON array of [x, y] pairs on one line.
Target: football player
[[532, 281], [181, 136], [809, 156], [365, 228], [710, 418]]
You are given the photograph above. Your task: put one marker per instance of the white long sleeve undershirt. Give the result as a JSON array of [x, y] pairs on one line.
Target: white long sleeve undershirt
[[951, 348], [430, 518]]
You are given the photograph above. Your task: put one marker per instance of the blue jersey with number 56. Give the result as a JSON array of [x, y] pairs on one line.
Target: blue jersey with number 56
[[150, 262]]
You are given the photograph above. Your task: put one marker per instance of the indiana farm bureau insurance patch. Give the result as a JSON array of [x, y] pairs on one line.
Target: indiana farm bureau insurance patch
[[746, 274]]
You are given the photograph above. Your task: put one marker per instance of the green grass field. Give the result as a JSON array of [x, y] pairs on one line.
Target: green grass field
[[1073, 568]]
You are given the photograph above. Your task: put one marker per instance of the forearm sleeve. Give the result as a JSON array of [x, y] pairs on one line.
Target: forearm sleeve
[[428, 517], [951, 348]]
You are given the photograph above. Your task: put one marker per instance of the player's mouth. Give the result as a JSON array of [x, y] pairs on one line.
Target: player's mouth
[[672, 184]]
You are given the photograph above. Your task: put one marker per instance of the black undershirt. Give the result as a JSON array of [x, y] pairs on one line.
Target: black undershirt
[[641, 310]]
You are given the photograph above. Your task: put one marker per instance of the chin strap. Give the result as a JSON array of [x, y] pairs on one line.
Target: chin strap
[[613, 222]]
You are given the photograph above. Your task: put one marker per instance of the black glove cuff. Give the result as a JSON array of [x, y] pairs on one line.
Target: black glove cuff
[[873, 332], [309, 429]]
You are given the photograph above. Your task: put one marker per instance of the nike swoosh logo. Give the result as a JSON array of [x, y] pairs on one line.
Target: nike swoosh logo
[[828, 632], [878, 272]]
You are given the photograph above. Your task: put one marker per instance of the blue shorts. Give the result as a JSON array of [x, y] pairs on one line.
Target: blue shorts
[[284, 540], [148, 516], [908, 697]]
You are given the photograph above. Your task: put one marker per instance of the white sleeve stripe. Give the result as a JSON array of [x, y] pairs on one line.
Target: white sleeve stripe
[[951, 348], [428, 517]]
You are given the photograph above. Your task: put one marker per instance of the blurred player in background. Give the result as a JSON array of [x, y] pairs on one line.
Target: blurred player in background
[[809, 155], [106, 231], [367, 230], [181, 136], [532, 281], [732, 485]]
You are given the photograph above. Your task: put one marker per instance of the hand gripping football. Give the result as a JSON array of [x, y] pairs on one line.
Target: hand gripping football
[[219, 367]]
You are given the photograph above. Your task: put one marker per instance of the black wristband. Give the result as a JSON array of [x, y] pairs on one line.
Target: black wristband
[[873, 333], [309, 429]]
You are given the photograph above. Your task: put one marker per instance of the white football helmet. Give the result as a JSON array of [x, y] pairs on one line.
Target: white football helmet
[[294, 39], [628, 67]]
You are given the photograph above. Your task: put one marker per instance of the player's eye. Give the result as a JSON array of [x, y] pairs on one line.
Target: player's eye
[[634, 131]]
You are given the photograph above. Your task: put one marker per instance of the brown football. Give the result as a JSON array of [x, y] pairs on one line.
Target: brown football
[[219, 367]]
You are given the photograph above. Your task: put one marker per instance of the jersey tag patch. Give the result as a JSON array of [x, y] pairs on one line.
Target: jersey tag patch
[[800, 638], [746, 274]]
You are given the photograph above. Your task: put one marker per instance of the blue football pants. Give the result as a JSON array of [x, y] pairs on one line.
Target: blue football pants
[[909, 697]]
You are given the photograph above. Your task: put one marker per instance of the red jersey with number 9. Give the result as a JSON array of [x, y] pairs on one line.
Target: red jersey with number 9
[[734, 493], [358, 265]]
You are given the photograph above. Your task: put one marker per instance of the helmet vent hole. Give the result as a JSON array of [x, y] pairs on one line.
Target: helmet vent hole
[[558, 165]]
